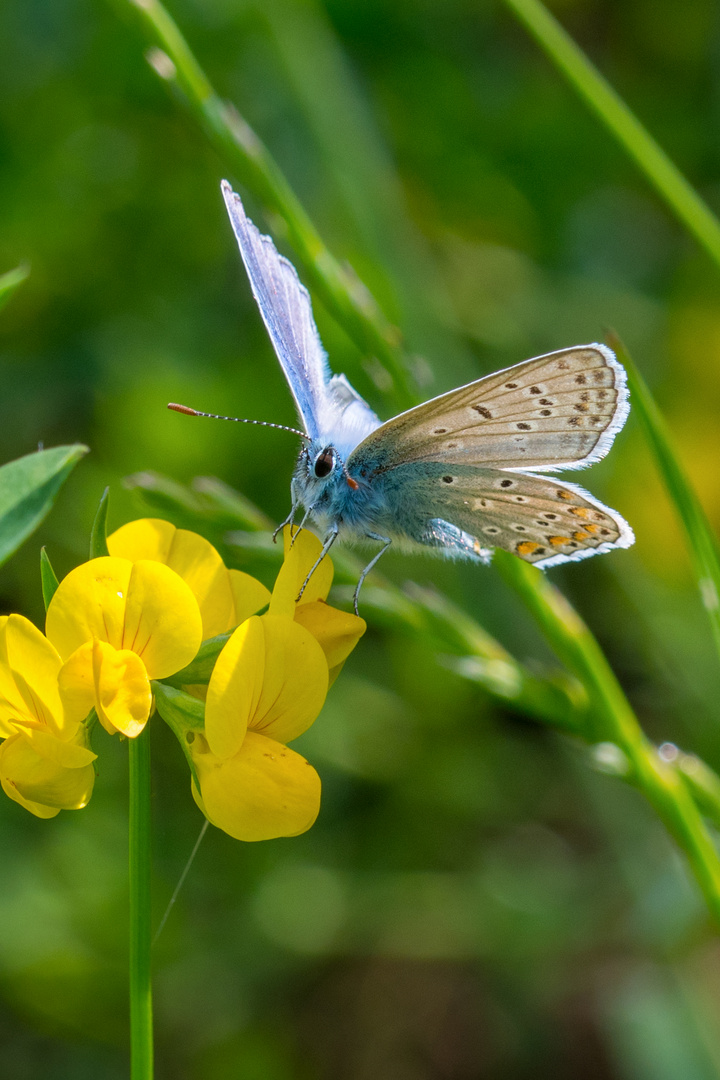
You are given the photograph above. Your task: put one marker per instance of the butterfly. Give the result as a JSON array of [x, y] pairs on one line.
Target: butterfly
[[461, 474]]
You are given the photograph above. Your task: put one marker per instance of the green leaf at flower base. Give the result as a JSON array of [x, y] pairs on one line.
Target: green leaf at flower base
[[183, 714], [28, 488], [199, 670], [98, 533], [48, 578]]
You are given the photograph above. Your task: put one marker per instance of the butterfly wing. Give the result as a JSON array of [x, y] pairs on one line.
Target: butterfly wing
[[465, 510], [558, 411], [328, 406]]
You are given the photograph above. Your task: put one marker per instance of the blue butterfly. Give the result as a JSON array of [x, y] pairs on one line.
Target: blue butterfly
[[458, 474]]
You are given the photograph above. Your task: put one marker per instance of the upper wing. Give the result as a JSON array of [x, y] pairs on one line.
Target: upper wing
[[328, 406], [561, 410]]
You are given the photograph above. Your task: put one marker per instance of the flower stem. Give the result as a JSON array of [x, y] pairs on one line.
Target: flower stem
[[141, 1036]]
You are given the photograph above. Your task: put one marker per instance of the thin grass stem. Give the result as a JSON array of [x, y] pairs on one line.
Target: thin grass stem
[[622, 123], [701, 540], [612, 720]]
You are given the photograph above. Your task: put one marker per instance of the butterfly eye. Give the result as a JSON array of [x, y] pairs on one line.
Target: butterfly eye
[[324, 463]]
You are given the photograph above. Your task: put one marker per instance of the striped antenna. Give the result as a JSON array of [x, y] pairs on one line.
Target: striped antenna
[[236, 419]]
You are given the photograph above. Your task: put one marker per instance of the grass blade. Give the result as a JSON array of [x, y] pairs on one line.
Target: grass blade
[[701, 540], [337, 286], [621, 122]]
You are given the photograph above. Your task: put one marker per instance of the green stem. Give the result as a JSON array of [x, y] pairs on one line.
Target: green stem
[[611, 719], [652, 160], [141, 1034], [701, 542]]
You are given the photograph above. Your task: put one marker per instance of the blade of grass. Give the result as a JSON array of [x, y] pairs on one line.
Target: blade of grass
[[613, 720], [621, 122], [340, 290], [701, 540]]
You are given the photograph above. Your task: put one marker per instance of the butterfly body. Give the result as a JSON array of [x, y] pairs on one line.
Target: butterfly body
[[463, 473]]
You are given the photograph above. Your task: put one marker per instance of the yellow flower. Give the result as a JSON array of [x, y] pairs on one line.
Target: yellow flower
[[338, 632], [268, 686], [45, 763], [225, 597], [117, 625]]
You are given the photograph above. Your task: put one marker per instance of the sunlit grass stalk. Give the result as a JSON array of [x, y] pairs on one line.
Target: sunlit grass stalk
[[622, 123], [611, 719], [141, 1030], [701, 540], [246, 156]]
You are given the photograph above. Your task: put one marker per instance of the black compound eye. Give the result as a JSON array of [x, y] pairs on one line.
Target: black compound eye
[[324, 463]]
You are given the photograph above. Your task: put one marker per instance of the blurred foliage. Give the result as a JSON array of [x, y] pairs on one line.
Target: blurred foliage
[[475, 901]]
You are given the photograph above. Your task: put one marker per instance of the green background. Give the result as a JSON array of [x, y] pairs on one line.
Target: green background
[[475, 901]]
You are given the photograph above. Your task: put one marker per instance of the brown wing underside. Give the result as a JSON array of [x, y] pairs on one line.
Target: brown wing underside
[[559, 409]]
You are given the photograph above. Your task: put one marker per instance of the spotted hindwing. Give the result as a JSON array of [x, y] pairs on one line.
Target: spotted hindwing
[[467, 510]]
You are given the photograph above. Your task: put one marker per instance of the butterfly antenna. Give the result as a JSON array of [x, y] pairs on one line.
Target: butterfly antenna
[[236, 419]]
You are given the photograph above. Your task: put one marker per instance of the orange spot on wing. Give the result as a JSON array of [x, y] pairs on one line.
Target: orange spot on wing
[[559, 541], [591, 529], [527, 547], [580, 536], [580, 511]]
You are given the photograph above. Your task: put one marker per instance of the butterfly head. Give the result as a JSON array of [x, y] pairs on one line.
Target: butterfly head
[[322, 473]]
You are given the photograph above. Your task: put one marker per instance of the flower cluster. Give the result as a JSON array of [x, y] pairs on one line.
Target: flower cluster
[[161, 622]]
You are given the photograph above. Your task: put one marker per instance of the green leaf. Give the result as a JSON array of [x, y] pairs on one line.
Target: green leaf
[[702, 543], [201, 668], [28, 488], [48, 578], [10, 281], [98, 533]]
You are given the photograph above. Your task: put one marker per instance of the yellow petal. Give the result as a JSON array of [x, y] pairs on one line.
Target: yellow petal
[[68, 755], [249, 596], [37, 780], [234, 688], [89, 603], [76, 683], [34, 665], [295, 680], [337, 632], [299, 560], [264, 791], [35, 808], [191, 556], [12, 705], [123, 697], [162, 619]]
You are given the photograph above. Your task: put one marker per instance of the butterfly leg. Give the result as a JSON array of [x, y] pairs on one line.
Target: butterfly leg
[[288, 521], [329, 541], [301, 526], [386, 542]]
